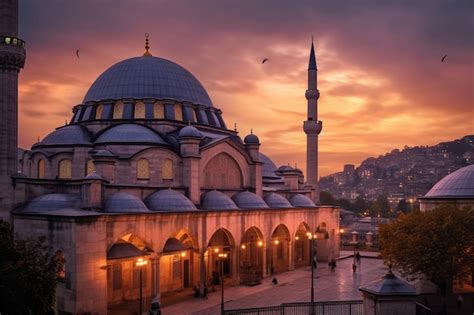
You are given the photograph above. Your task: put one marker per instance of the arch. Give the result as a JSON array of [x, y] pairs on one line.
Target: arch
[[279, 249], [222, 171], [221, 242], [40, 168], [251, 256], [301, 245], [139, 110], [167, 169], [90, 167], [143, 169], [65, 169]]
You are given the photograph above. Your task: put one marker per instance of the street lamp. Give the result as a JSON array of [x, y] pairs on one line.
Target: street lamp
[[140, 263], [222, 256], [311, 238]]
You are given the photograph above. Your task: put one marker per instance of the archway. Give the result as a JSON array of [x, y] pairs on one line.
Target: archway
[[123, 274], [251, 257], [302, 248], [279, 250], [220, 250]]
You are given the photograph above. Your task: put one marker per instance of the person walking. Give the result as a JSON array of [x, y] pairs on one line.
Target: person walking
[[204, 293], [358, 258]]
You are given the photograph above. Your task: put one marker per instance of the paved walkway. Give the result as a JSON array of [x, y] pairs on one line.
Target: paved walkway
[[293, 286]]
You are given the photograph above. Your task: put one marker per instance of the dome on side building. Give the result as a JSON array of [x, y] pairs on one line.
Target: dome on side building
[[248, 200], [68, 135], [215, 200], [459, 184], [301, 201], [169, 200], [53, 202], [129, 133], [123, 202], [275, 200], [148, 77]]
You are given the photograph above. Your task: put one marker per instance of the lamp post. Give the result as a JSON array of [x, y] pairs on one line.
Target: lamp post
[[222, 256], [311, 239], [140, 263]]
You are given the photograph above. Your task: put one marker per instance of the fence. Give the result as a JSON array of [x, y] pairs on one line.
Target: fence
[[318, 308]]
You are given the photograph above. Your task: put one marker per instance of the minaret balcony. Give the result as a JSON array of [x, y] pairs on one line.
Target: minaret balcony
[[313, 126], [312, 94]]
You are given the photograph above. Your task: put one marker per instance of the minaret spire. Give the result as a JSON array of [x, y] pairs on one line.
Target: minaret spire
[[312, 126]]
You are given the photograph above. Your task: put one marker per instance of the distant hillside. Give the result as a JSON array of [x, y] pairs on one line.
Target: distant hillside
[[401, 174]]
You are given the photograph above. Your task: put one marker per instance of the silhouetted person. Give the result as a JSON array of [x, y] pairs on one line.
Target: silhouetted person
[[196, 291], [275, 281], [204, 293], [354, 267], [333, 264], [358, 258], [155, 308]]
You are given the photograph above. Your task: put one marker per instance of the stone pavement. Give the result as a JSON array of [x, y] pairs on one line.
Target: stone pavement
[[293, 286]]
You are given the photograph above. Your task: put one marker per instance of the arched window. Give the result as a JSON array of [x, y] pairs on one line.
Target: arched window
[[40, 169], [158, 111], [98, 111], [167, 169], [90, 167], [139, 110], [118, 110], [178, 112], [65, 169], [143, 169]]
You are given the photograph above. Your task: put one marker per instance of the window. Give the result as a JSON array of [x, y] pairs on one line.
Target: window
[[139, 110], [40, 169], [65, 169], [118, 110], [167, 169], [178, 112], [158, 111], [143, 169], [90, 167], [98, 111]]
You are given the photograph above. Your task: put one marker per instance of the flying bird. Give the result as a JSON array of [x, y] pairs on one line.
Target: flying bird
[[77, 54], [444, 57], [264, 60]]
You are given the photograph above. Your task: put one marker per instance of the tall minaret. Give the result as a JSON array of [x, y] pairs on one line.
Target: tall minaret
[[12, 59], [312, 126]]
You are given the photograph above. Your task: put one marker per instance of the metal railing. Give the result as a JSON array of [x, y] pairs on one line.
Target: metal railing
[[318, 308]]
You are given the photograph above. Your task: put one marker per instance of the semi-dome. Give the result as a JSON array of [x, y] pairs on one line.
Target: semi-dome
[[248, 200], [123, 202], [169, 200], [148, 77], [459, 184], [53, 202], [129, 133], [275, 200], [216, 200], [68, 135], [301, 201], [189, 132]]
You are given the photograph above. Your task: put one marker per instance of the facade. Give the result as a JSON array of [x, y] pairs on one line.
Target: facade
[[147, 169]]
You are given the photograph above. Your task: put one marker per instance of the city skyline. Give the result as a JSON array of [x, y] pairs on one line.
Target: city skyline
[[381, 78]]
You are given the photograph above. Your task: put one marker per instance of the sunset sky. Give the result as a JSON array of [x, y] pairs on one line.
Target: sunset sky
[[381, 78]]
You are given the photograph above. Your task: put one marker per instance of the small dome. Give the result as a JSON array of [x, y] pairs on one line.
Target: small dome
[[129, 133], [148, 77], [285, 168], [189, 132], [169, 200], [251, 139], [458, 184], [275, 200], [301, 201], [123, 202], [215, 200], [68, 135], [52, 202], [248, 200]]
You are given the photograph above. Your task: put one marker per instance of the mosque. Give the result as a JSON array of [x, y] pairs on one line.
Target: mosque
[[147, 170]]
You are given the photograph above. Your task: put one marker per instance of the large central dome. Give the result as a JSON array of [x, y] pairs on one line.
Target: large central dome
[[148, 77]]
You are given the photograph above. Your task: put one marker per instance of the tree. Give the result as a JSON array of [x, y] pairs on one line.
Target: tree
[[359, 205], [28, 274], [381, 207], [326, 198], [438, 244], [344, 203], [402, 206]]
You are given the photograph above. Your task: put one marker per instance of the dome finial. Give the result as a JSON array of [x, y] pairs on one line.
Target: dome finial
[[147, 46]]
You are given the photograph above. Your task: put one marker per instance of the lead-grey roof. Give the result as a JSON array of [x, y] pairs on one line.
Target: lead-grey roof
[[123, 202], [301, 201], [275, 200], [169, 200], [173, 245], [72, 134], [248, 200], [189, 132], [389, 285], [148, 77], [268, 168], [216, 200], [52, 202], [124, 250], [458, 184], [129, 133]]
